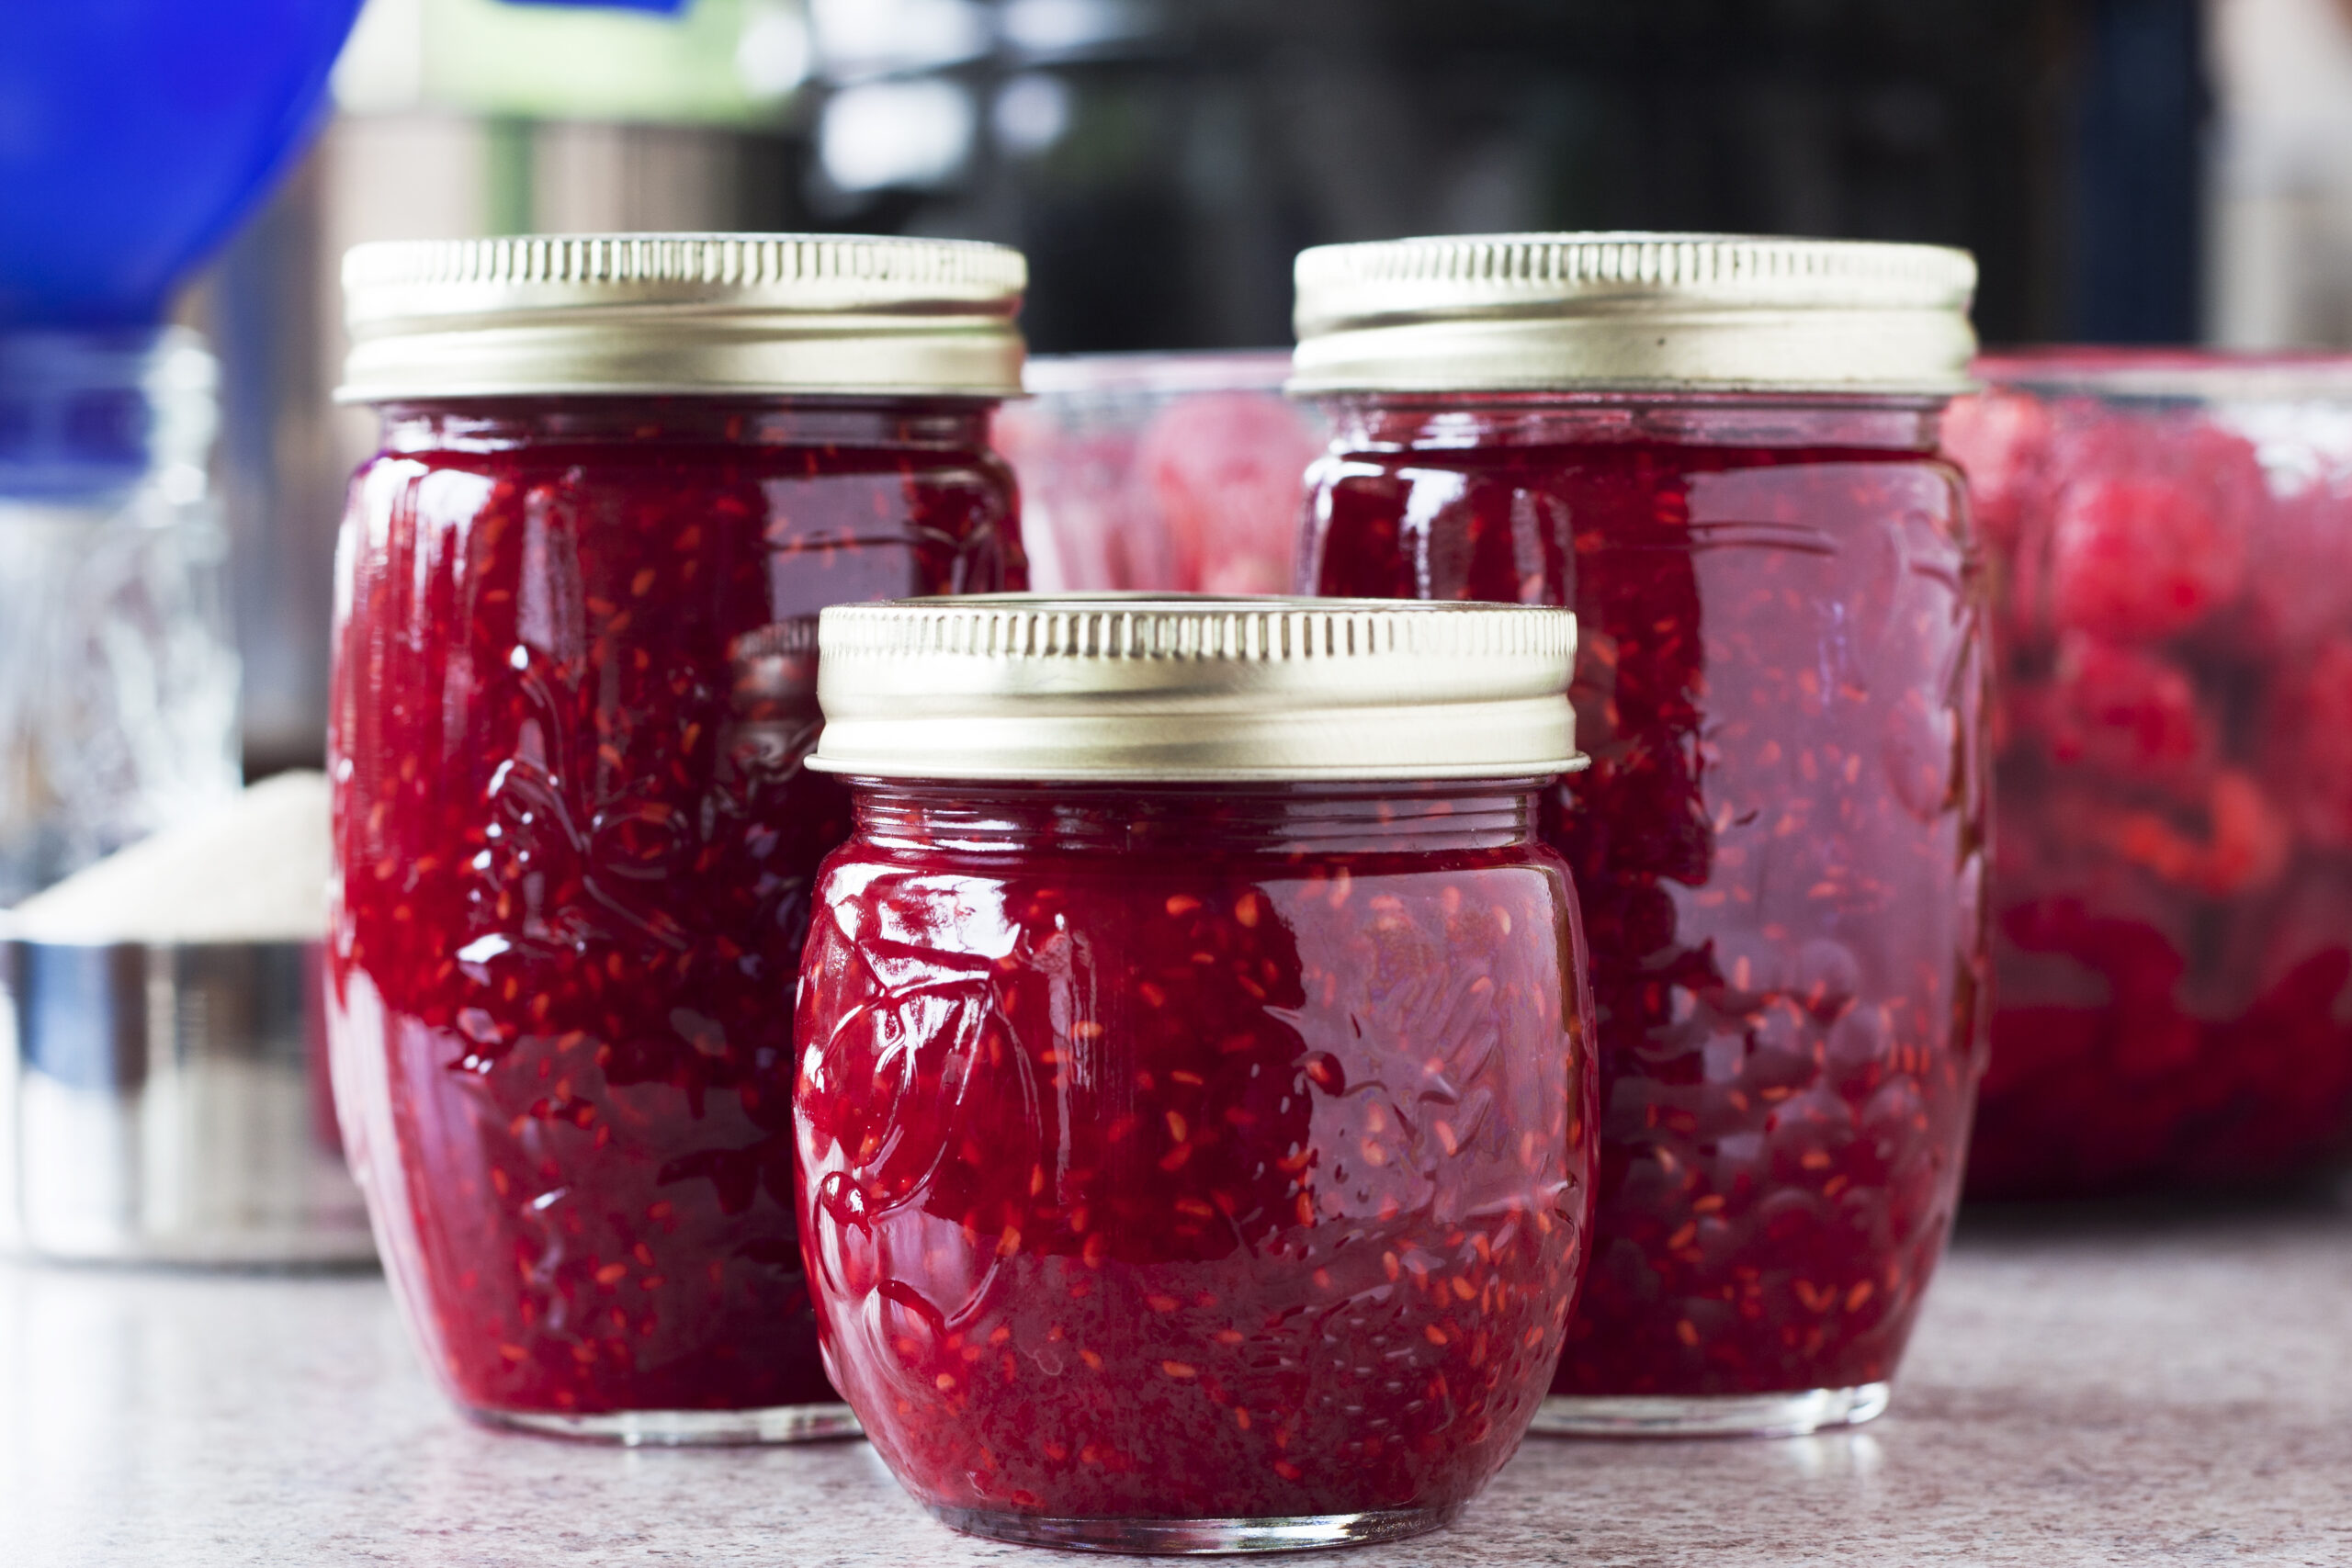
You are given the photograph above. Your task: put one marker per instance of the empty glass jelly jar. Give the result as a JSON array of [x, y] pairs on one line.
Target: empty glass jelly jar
[[574, 685], [1722, 452], [1194, 1097]]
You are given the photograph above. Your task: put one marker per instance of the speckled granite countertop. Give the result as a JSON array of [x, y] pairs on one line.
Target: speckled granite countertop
[[2101, 1388]]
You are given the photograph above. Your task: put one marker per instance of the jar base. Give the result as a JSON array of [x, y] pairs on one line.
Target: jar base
[[1197, 1537], [686, 1429], [1712, 1414]]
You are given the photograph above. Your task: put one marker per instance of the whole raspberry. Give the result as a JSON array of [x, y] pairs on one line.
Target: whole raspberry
[[2125, 712], [2241, 847], [2138, 560]]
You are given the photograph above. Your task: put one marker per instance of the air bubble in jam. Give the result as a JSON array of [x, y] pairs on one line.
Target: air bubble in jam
[[1193, 1153], [1779, 845], [574, 687]]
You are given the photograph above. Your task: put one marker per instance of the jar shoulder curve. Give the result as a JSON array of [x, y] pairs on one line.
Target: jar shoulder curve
[[1316, 939]]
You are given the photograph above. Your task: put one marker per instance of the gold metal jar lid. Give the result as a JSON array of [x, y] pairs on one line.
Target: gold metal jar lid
[[681, 313], [1634, 313], [1180, 688]]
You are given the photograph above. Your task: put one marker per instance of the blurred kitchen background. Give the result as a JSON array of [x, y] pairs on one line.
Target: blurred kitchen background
[[2129, 171]]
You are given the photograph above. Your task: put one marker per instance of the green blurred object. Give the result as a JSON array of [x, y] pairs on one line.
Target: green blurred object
[[728, 63]]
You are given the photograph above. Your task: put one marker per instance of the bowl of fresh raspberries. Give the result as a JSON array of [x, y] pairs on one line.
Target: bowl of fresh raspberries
[[1173, 473], [2167, 540]]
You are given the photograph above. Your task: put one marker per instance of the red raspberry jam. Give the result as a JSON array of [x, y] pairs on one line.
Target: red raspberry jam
[[1780, 847], [2172, 543], [1195, 1108], [1194, 1152], [574, 686]]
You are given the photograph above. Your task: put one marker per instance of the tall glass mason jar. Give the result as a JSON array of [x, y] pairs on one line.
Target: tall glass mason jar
[[574, 685], [1722, 453], [1194, 1098]]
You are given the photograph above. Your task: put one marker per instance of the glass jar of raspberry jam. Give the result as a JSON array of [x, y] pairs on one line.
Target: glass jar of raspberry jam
[[574, 686], [1722, 452], [2171, 542], [1194, 1098]]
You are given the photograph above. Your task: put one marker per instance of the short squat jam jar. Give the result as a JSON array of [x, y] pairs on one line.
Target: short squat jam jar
[[1194, 1097], [574, 687], [1722, 452]]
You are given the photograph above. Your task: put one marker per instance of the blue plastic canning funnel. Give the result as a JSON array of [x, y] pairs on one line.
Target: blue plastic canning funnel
[[134, 134]]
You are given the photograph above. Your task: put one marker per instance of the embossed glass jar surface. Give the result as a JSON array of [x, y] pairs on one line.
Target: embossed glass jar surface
[[1722, 452], [1195, 1152], [1180, 1158], [574, 685], [1779, 846]]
